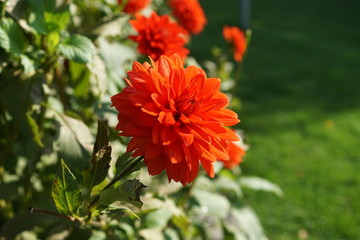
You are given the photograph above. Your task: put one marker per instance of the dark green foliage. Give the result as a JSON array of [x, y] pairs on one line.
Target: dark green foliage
[[68, 197], [100, 159]]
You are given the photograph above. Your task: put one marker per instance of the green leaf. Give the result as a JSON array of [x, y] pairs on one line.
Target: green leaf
[[98, 235], [77, 48], [52, 40], [126, 165], [128, 192], [11, 36], [100, 160], [123, 162], [111, 27], [171, 234], [179, 218], [66, 192], [181, 221], [151, 233], [57, 20], [117, 206], [257, 183], [35, 129], [244, 224], [115, 62], [4, 39], [80, 79], [157, 218], [102, 141], [227, 186], [32, 61], [126, 231], [98, 78], [40, 6], [45, 18], [211, 203], [75, 140], [27, 63]]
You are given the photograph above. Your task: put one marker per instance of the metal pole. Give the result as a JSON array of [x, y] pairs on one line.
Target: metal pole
[[245, 14]]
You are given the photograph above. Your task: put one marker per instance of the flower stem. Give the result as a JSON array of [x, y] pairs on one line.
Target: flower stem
[[40, 210], [60, 85], [241, 63], [3, 9]]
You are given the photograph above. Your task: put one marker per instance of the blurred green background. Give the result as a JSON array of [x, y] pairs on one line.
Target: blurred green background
[[300, 110]]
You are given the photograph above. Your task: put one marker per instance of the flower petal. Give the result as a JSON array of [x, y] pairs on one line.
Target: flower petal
[[219, 150], [174, 152], [151, 108], [226, 116], [155, 165], [209, 167], [176, 118], [152, 150], [136, 143], [132, 130], [204, 151], [185, 135], [164, 66], [166, 118], [167, 136], [229, 135]]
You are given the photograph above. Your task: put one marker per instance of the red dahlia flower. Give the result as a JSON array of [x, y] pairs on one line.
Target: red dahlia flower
[[176, 118], [190, 14], [236, 38], [133, 6], [236, 152], [157, 36]]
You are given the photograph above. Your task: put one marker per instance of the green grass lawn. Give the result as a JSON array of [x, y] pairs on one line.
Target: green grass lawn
[[300, 94]]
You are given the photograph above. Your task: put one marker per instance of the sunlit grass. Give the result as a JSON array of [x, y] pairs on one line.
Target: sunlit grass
[[300, 98]]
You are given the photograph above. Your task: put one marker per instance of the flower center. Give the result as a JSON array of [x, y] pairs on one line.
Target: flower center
[[187, 106]]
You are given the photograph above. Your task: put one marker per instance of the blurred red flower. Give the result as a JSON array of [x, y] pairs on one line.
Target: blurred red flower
[[176, 117], [158, 35], [237, 39], [190, 14], [236, 152], [133, 6]]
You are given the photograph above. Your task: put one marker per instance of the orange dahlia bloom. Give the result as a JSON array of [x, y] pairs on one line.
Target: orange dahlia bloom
[[158, 35], [190, 14], [237, 39], [133, 6], [236, 152], [176, 117]]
